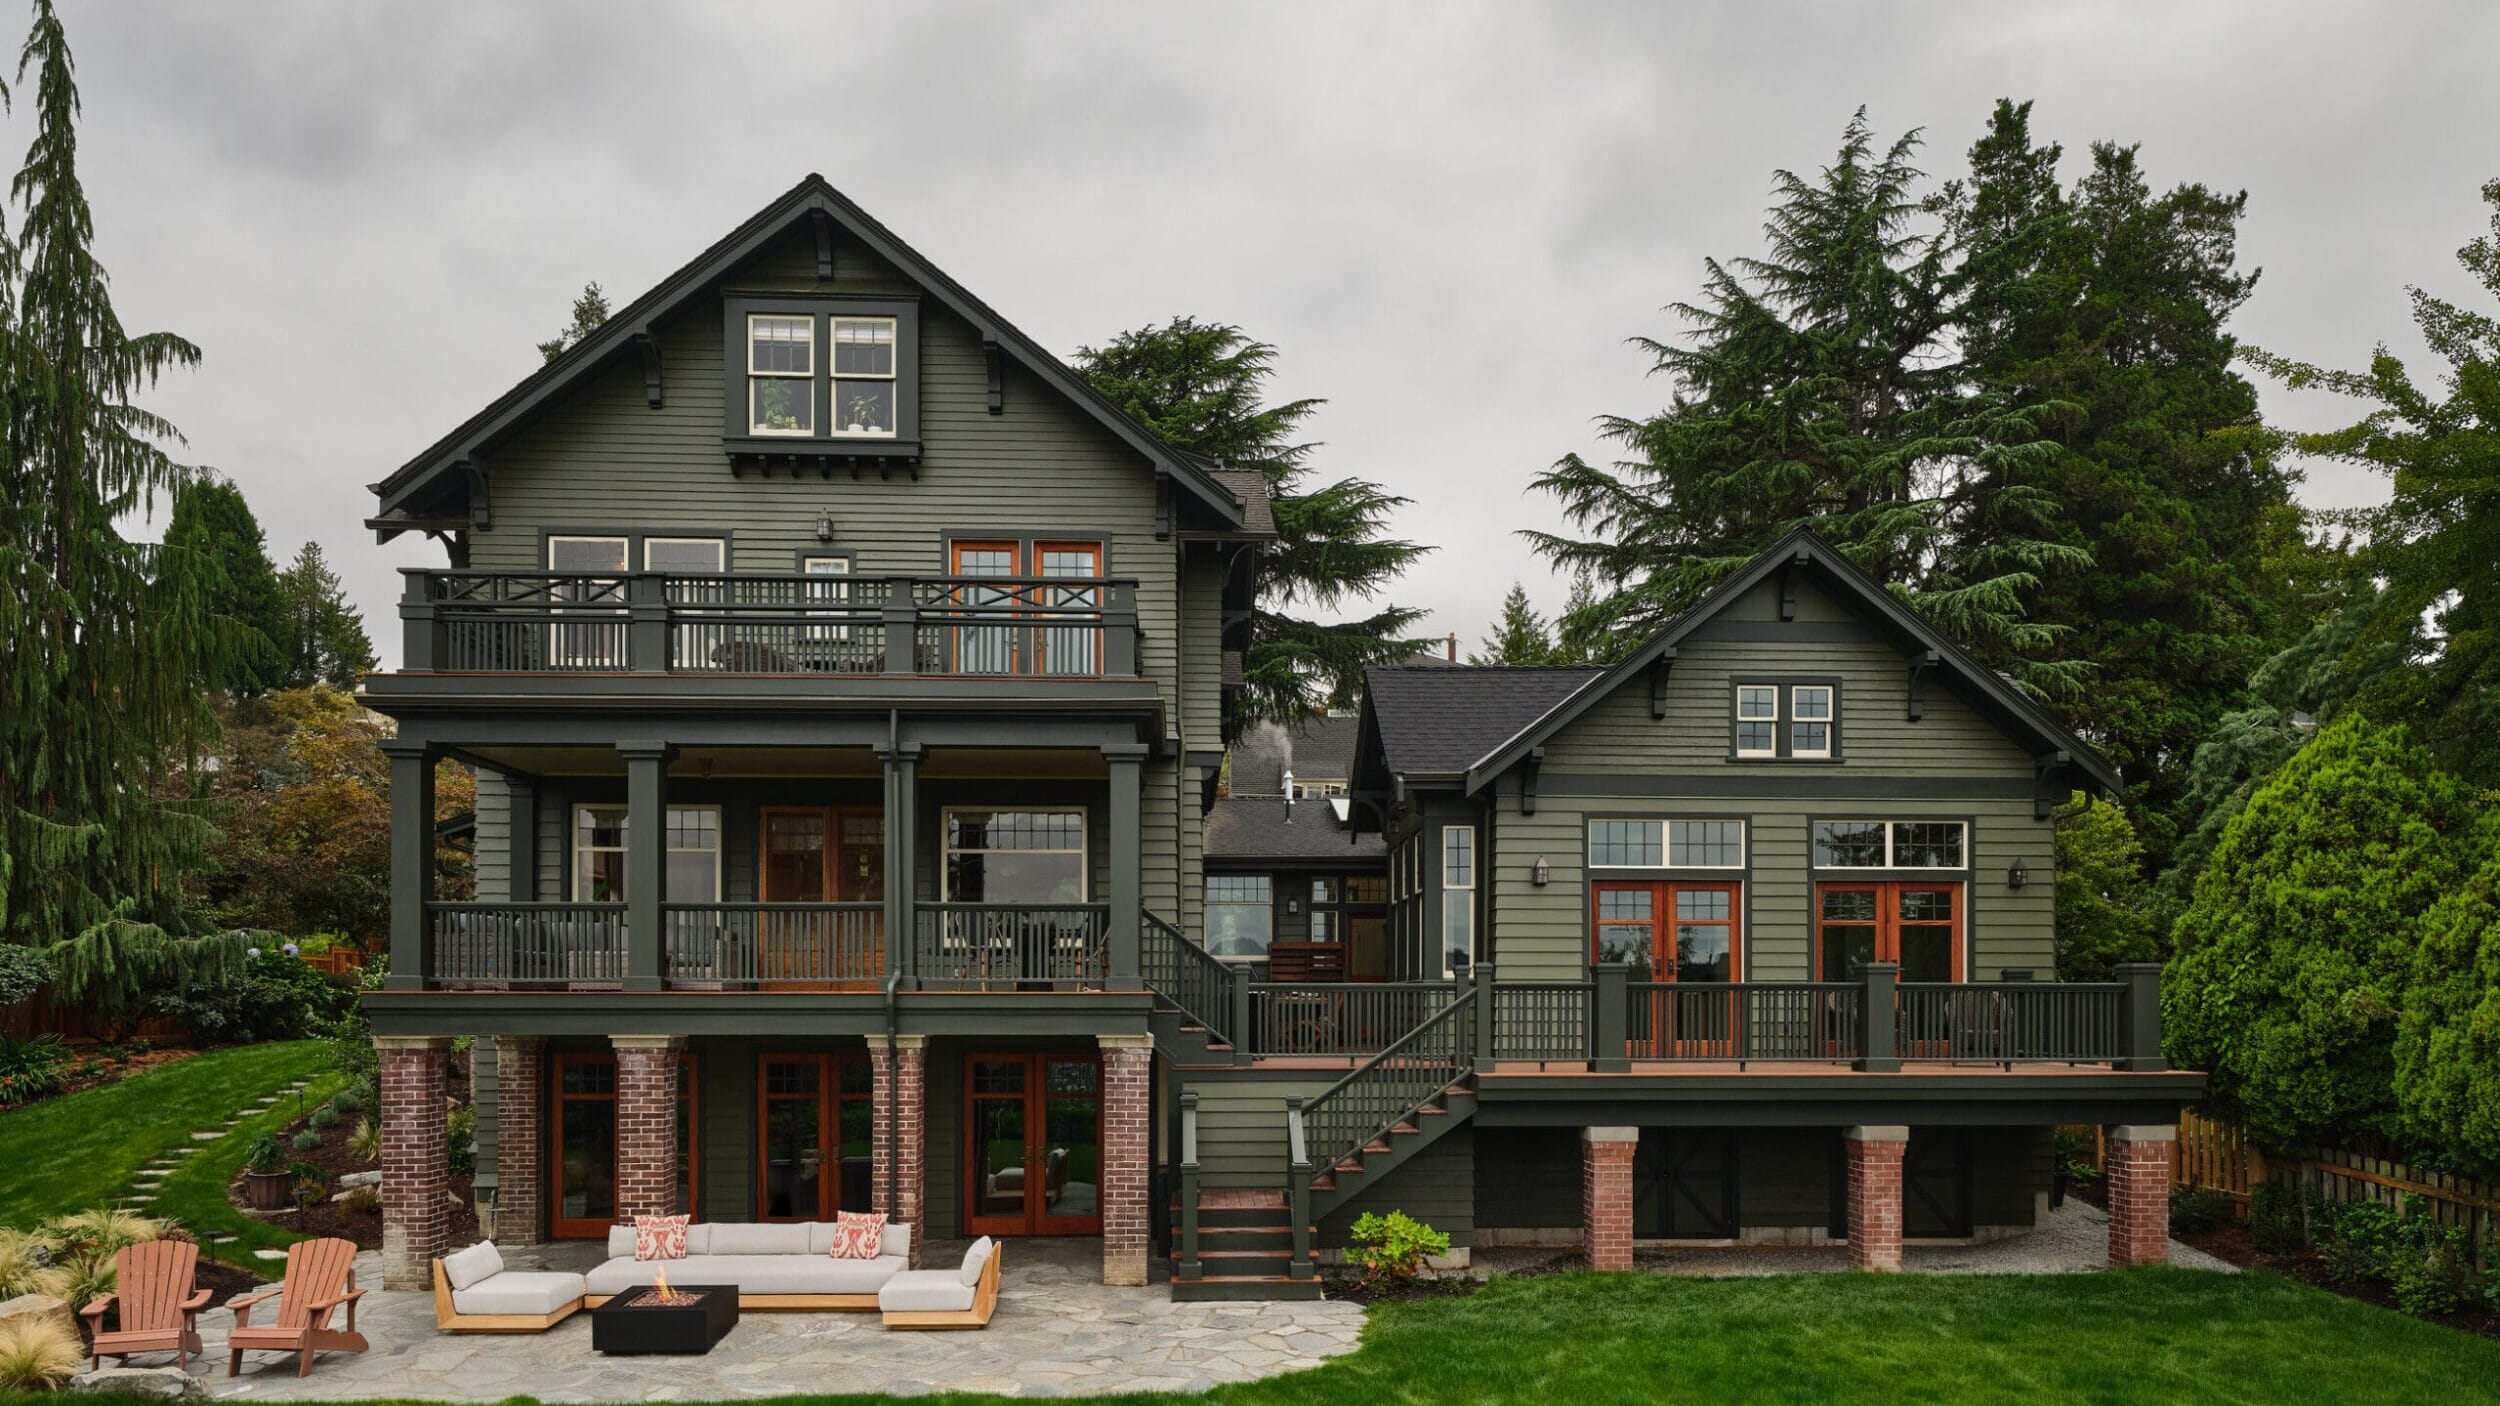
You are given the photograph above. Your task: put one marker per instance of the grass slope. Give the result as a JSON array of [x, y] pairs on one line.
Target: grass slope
[[2145, 1335], [82, 1150]]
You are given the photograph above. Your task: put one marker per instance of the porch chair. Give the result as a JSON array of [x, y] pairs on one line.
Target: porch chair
[[320, 1277], [159, 1306]]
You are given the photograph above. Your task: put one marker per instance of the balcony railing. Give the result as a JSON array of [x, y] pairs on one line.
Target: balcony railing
[[1011, 946], [1339, 1018], [733, 945], [505, 945], [547, 622], [2010, 1022]]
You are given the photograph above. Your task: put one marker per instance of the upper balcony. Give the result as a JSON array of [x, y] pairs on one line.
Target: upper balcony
[[776, 634]]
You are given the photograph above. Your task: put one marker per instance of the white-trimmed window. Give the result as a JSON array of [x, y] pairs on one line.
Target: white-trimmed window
[[1241, 916], [863, 377], [1305, 789], [691, 861], [1019, 855], [781, 374], [1891, 844], [1666, 844], [1458, 898], [1757, 720], [593, 591], [1810, 720]]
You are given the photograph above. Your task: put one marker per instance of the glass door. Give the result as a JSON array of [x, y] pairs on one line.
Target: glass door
[[1674, 934], [815, 855], [984, 649], [813, 1128], [1918, 925], [1070, 649], [585, 1146], [1034, 1145]]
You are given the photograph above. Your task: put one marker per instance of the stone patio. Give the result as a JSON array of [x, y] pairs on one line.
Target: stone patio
[[1058, 1332]]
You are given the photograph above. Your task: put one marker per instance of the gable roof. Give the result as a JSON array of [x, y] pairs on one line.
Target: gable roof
[[813, 196], [1983, 688], [1438, 719], [1318, 747], [1248, 828]]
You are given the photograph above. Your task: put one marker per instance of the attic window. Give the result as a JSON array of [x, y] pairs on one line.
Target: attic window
[[863, 376], [820, 378], [1785, 720], [781, 375]]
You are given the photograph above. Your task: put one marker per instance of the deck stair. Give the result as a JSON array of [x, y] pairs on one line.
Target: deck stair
[[1244, 1250]]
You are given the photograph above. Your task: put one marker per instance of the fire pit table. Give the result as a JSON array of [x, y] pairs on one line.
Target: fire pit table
[[682, 1318]]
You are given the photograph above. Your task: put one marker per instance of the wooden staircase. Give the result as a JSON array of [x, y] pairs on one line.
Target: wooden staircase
[[1245, 1250], [1371, 1163]]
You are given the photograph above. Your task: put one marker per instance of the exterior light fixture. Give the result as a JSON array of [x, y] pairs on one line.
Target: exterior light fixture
[[1542, 874], [2017, 876], [824, 524]]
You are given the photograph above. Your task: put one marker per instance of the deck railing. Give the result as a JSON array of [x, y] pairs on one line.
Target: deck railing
[[494, 946], [2011, 1022], [1011, 946], [1748, 1020], [644, 622], [1318, 1018], [1541, 1020], [774, 944], [1188, 976]]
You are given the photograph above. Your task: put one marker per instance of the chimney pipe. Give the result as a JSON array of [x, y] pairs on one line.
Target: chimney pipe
[[1453, 646]]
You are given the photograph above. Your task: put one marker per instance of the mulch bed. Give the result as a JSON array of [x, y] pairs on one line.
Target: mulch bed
[[224, 1281], [333, 1218], [108, 1071], [1355, 1289]]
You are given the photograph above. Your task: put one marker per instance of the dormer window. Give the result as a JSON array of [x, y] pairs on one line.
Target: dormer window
[[863, 376], [821, 376], [1785, 720], [781, 375]]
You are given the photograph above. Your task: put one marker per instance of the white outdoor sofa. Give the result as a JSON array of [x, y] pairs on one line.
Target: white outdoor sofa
[[774, 1266]]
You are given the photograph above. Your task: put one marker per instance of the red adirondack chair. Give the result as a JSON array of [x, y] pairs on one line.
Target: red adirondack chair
[[320, 1277], [159, 1307]]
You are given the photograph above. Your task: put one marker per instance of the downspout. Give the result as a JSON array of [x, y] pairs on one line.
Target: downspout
[[893, 1105]]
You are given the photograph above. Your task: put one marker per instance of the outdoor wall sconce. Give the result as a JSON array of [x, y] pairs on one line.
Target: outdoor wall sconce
[[2017, 876], [824, 524], [1292, 906], [1542, 874]]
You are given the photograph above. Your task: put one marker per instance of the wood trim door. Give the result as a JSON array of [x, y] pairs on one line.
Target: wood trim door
[[1916, 923], [581, 1163], [1045, 1111], [1674, 930], [813, 1122]]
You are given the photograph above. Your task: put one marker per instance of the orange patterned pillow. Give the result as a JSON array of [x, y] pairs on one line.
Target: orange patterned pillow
[[660, 1237], [856, 1234]]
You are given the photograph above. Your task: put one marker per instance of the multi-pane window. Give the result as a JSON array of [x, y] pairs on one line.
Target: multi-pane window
[[691, 863], [1458, 898], [1757, 721], [1015, 856], [863, 376], [1790, 721], [1810, 721], [1894, 844], [1241, 915], [1677, 844], [781, 374]]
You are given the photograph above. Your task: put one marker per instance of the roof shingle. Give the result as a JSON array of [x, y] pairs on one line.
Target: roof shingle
[[1266, 828], [1440, 720]]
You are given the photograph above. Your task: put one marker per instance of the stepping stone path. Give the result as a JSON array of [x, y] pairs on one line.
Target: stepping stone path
[[268, 1254]]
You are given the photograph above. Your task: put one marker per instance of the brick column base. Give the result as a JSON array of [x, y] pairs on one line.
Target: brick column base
[[646, 1125], [1606, 1196], [520, 1126], [1127, 1157], [2136, 1161], [897, 1142], [416, 1158], [1875, 1155]]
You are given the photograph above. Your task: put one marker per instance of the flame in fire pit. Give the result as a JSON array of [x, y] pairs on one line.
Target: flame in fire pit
[[660, 1295]]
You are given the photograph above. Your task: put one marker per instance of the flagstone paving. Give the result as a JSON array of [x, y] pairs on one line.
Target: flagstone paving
[[1058, 1332]]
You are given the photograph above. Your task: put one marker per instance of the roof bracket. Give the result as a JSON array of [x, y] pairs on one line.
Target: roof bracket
[[1788, 589], [1920, 668], [1163, 507], [481, 504], [2044, 797], [824, 246], [1527, 780], [651, 385], [1659, 669], [996, 360]]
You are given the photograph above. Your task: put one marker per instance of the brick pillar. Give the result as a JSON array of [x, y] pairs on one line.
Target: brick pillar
[[646, 1125], [899, 1108], [416, 1158], [1127, 1157], [1875, 1155], [1606, 1196], [520, 1133], [2136, 1161]]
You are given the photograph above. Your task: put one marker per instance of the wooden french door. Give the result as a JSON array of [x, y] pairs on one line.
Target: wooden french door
[[1918, 925], [582, 1172], [1674, 932], [821, 854], [813, 1123], [1069, 649], [1033, 1144]]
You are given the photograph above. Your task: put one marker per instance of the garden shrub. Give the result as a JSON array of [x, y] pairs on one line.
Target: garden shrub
[[363, 1201], [2197, 1209], [2432, 1270], [33, 1068], [105, 1228], [461, 1129], [26, 1267], [38, 1352], [2360, 1238], [364, 1141], [1393, 1248], [324, 1118], [305, 1141], [2274, 1218], [347, 1101], [269, 997]]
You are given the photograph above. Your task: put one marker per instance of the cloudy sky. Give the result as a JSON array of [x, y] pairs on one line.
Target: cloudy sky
[[1448, 216]]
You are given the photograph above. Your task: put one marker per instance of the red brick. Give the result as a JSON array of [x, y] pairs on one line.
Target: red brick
[[896, 1143], [646, 1127], [1127, 1105], [416, 1158], [1874, 1203], [520, 1157], [2138, 1172], [1606, 1203]]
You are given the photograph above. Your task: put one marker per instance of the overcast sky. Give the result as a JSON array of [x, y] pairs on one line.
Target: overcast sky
[[1448, 217]]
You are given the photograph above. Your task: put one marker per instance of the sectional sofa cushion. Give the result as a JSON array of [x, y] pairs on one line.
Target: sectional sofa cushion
[[515, 1292], [479, 1262], [660, 1237], [753, 1274], [925, 1291], [856, 1233], [621, 1240], [737, 1239], [974, 1259]]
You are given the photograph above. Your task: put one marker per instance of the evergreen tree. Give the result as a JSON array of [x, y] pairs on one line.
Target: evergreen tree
[[111, 660], [2448, 1038], [326, 640], [2107, 307], [2104, 914], [1201, 387], [589, 311], [1520, 636], [2437, 542], [1821, 385], [213, 523], [1580, 634]]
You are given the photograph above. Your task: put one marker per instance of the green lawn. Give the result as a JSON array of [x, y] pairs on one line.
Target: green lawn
[[2141, 1336], [72, 1153]]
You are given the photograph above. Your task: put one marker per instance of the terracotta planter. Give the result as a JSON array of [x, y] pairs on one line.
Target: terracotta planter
[[268, 1191]]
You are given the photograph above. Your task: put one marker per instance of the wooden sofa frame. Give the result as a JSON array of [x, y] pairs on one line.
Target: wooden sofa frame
[[984, 1303], [450, 1320]]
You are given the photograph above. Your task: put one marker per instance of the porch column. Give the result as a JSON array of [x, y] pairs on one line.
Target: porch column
[[2136, 1159], [1606, 1196], [1875, 1154], [1127, 1156], [898, 1139], [902, 827], [646, 1124], [646, 860], [520, 1132], [1127, 765], [412, 860], [416, 1156]]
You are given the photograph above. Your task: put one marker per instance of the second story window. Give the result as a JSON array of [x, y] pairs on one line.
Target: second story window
[[781, 374], [863, 376], [1785, 721]]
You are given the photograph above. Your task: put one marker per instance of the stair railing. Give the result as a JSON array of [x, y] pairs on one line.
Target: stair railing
[[1390, 1088], [1189, 1268], [1185, 974], [1298, 1190]]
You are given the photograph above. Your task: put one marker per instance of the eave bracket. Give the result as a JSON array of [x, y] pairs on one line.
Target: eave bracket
[[1659, 669], [1920, 669]]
